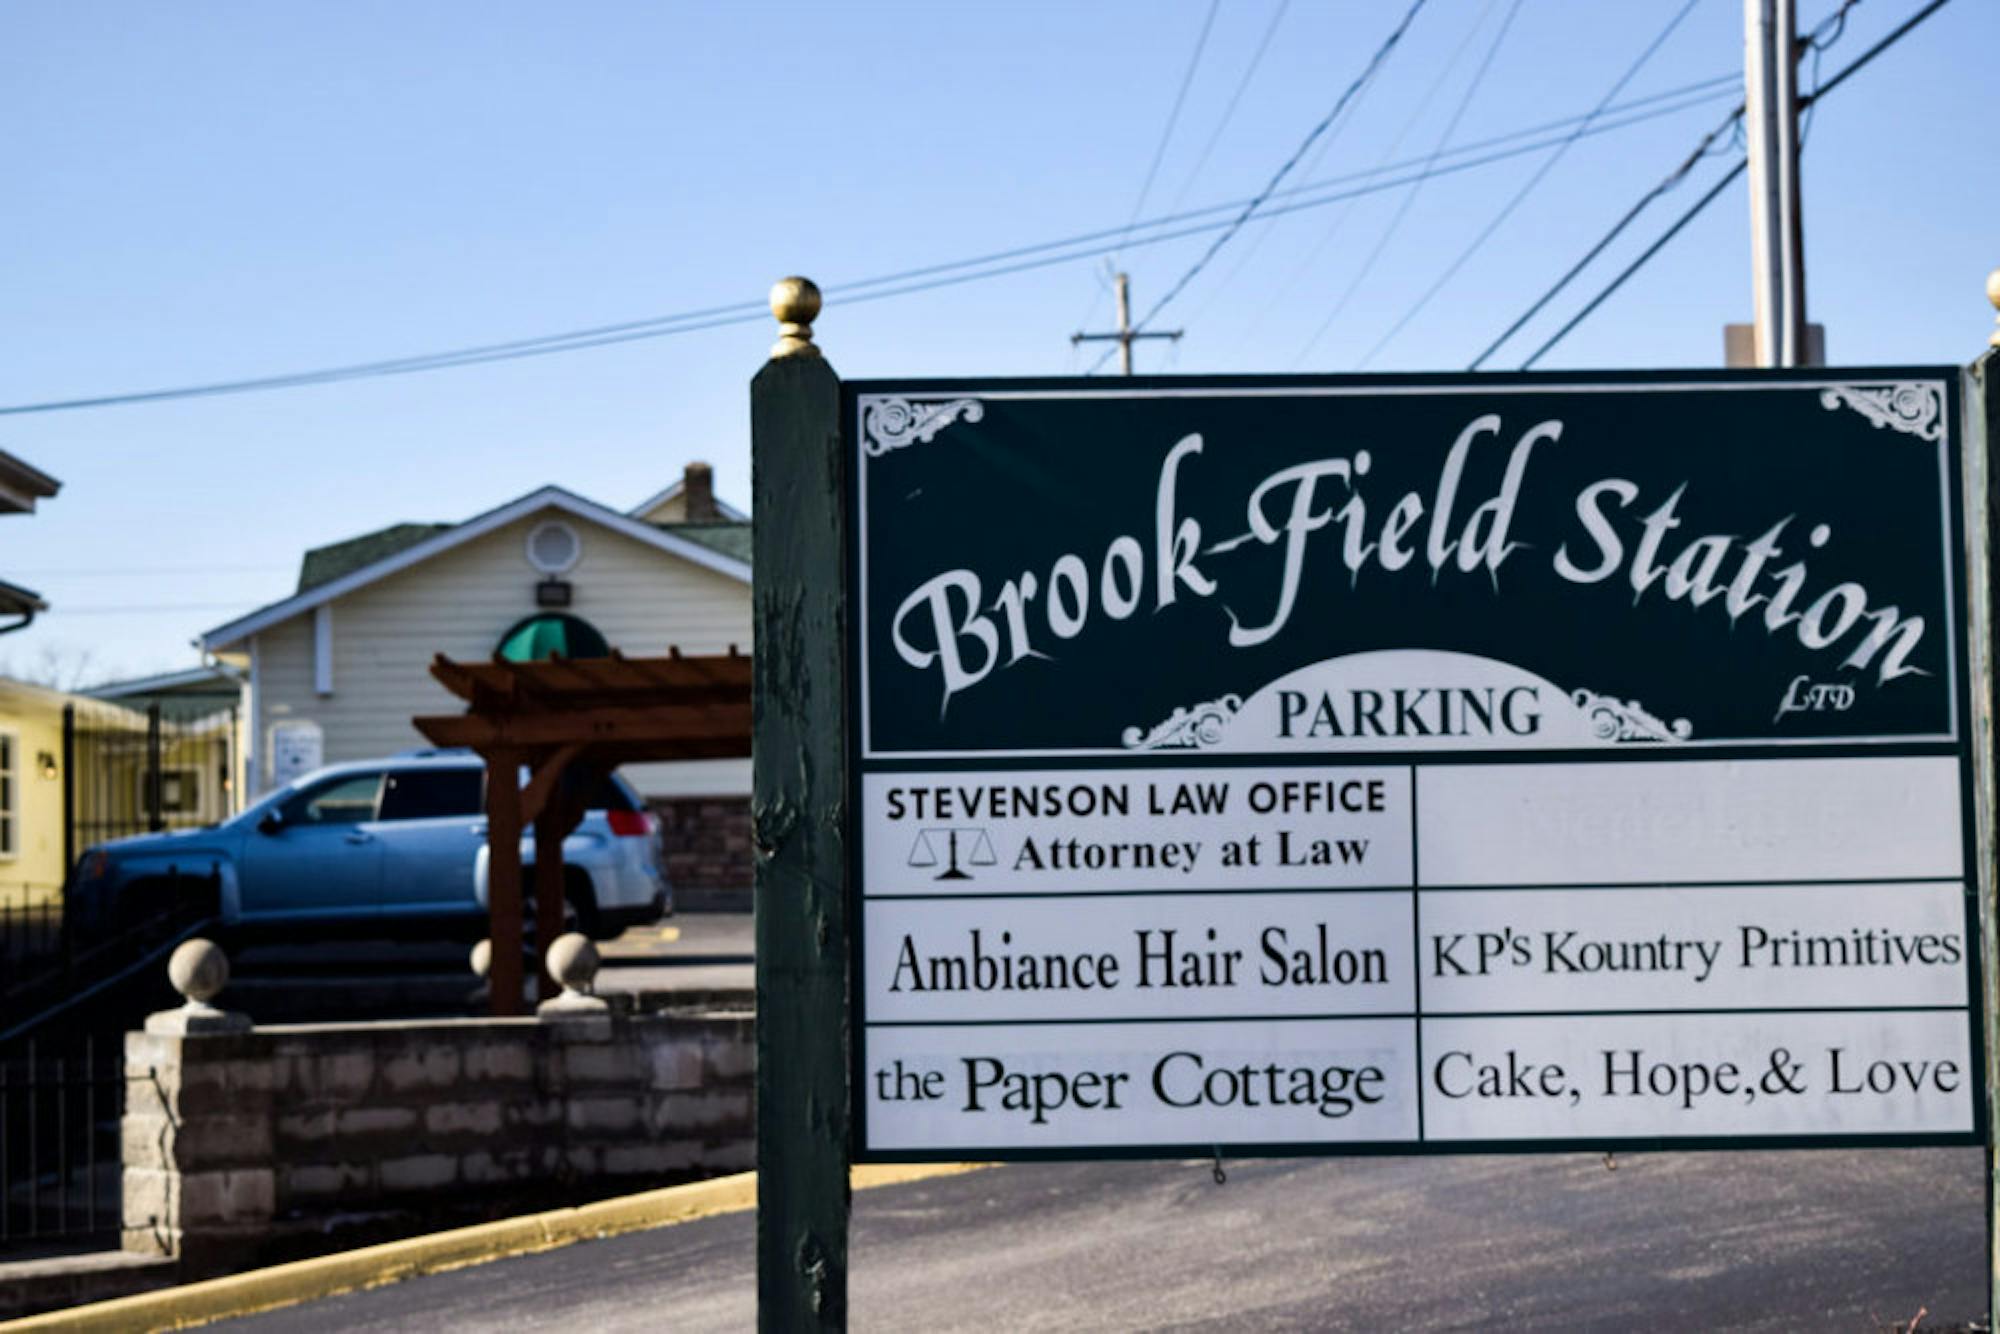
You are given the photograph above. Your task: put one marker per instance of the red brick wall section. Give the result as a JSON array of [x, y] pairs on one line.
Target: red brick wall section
[[705, 842]]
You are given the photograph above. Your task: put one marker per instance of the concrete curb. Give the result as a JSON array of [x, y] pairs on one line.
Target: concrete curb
[[373, 1266]]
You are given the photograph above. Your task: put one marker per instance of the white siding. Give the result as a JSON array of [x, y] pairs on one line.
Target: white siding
[[460, 603], [694, 778]]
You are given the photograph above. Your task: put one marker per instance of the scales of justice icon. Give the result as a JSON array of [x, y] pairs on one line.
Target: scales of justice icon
[[967, 841]]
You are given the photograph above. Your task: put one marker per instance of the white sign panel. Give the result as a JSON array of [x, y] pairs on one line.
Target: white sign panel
[[297, 748]]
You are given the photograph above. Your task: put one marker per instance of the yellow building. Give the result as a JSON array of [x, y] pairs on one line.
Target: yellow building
[[31, 793], [31, 729], [127, 773]]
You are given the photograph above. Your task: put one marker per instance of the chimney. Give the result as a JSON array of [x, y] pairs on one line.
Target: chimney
[[698, 494]]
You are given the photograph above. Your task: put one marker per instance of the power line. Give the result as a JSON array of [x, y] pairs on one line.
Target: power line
[[1897, 34], [1229, 112], [129, 571], [1174, 116], [1672, 178], [1632, 268], [1682, 98], [909, 281], [1248, 251], [1361, 80], [1166, 137], [1287, 291], [1705, 90], [1819, 40], [1828, 33], [1527, 188], [1416, 186]]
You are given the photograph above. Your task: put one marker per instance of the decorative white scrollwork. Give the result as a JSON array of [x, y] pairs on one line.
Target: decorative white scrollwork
[[1186, 729], [1625, 720], [891, 423], [1913, 409]]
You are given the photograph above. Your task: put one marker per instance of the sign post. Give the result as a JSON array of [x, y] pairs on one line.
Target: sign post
[[799, 828], [1983, 424], [1412, 764]]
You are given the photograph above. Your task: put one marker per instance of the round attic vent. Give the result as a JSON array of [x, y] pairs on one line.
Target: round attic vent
[[554, 548]]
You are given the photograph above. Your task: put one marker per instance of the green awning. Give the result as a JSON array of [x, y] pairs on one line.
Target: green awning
[[552, 634]]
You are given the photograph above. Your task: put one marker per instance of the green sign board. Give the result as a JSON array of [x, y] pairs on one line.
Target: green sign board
[[1410, 764]]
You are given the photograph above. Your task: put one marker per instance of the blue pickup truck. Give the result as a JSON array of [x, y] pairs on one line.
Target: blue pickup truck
[[394, 845]]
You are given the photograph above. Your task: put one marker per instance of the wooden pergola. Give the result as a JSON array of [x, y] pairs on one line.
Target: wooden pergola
[[567, 722]]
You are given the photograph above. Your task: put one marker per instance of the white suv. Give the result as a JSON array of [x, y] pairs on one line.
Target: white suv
[[611, 865]]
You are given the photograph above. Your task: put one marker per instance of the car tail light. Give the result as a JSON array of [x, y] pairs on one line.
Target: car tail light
[[630, 824]]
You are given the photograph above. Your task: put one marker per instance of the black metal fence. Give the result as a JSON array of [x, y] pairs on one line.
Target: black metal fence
[[123, 771], [59, 1145], [31, 931], [131, 772], [64, 959], [50, 956]]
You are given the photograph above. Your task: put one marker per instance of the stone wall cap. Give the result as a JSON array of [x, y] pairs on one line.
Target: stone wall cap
[[413, 1026], [196, 1019]]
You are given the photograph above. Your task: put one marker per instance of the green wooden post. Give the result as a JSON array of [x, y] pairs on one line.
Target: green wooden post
[[799, 816]]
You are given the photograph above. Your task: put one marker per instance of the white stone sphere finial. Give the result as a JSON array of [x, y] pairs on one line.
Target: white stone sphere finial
[[572, 960], [199, 970]]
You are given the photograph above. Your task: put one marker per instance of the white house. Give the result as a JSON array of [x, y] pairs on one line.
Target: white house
[[337, 670]]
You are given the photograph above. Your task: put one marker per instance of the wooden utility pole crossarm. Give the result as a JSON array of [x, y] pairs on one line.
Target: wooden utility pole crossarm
[[1124, 335]]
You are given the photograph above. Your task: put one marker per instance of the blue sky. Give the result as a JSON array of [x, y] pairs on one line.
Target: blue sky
[[228, 190]]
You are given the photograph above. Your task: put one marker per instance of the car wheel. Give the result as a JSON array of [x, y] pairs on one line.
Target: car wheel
[[580, 903]]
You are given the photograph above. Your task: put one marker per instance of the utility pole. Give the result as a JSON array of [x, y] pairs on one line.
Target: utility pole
[[1771, 123], [1126, 335]]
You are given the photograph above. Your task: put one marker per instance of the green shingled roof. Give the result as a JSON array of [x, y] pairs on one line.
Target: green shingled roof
[[322, 565], [728, 539]]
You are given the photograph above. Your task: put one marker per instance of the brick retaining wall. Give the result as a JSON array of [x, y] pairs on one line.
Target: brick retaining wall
[[234, 1143], [705, 848]]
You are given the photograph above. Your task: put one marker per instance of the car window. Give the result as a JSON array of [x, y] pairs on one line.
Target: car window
[[608, 794], [601, 791], [429, 794], [349, 800]]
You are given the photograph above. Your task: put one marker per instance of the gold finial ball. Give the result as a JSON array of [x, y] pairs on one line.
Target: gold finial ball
[[1993, 295], [795, 300]]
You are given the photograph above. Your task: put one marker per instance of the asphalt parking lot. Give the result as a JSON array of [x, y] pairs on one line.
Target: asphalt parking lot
[[1826, 1240]]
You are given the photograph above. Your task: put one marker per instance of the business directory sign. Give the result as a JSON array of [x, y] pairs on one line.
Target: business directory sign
[[1411, 764]]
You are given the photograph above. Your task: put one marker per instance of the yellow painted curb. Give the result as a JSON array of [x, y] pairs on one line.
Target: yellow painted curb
[[373, 1266]]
